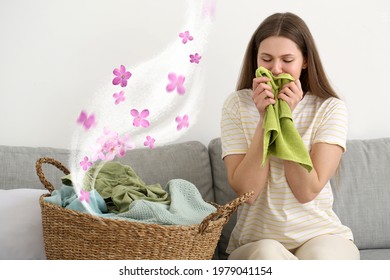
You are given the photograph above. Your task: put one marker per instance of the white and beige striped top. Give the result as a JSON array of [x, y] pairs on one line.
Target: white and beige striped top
[[276, 214]]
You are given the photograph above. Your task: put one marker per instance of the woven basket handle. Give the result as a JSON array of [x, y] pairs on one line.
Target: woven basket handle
[[224, 211], [56, 163]]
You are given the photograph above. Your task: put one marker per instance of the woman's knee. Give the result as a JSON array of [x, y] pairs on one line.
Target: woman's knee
[[265, 249], [328, 247]]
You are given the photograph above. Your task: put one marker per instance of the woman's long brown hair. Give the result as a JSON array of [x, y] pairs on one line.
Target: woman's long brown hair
[[290, 26]]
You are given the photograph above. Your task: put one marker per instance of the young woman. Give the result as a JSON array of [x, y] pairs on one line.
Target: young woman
[[290, 215]]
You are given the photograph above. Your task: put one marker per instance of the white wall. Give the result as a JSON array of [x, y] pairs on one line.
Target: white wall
[[55, 55]]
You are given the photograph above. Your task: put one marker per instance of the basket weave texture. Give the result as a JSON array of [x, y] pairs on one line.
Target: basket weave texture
[[72, 235]]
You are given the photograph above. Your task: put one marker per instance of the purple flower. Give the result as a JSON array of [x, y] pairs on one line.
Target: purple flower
[[194, 58], [176, 82], [110, 145], [85, 164], [186, 37], [119, 97], [121, 76], [125, 144], [86, 121], [140, 118], [84, 195], [182, 122], [149, 142]]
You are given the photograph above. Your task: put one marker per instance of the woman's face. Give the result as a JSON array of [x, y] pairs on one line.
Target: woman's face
[[281, 55]]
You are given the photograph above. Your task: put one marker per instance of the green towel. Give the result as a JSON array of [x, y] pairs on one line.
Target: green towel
[[281, 138], [119, 186]]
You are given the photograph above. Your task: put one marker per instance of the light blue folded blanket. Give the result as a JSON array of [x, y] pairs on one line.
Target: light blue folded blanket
[[66, 197], [187, 206]]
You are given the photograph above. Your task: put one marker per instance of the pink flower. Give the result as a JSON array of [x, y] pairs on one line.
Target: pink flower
[[121, 76], [107, 145], [125, 144], [86, 121], [110, 145], [119, 97], [149, 142], [194, 58], [186, 37], [85, 164], [84, 195], [182, 122], [140, 118], [176, 82]]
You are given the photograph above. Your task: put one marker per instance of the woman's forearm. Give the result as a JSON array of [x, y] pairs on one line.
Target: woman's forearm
[[304, 185], [250, 174], [307, 185]]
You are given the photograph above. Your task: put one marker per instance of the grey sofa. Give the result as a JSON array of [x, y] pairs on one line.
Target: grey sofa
[[361, 189]]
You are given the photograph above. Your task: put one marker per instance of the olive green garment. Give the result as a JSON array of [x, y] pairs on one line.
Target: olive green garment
[[119, 186], [281, 138]]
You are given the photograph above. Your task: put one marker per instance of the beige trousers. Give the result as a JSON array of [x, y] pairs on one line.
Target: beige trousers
[[323, 247]]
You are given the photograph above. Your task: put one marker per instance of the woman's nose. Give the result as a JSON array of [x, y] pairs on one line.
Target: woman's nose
[[276, 68]]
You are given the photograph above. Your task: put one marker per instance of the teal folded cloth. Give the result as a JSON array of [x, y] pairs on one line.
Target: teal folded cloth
[[281, 138], [187, 206], [66, 197], [119, 185]]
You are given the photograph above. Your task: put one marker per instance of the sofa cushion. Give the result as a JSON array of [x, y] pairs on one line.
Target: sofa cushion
[[188, 160], [362, 192], [223, 192], [375, 254], [17, 166], [21, 235]]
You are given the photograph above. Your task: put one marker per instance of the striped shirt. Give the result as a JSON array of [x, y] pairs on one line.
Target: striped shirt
[[276, 213]]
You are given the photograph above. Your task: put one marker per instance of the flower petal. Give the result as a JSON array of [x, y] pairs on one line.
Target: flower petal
[[116, 72], [172, 77], [127, 75], [136, 122], [144, 123], [124, 83], [90, 121], [117, 81], [82, 117], [144, 113], [170, 87], [134, 112], [181, 90], [180, 79]]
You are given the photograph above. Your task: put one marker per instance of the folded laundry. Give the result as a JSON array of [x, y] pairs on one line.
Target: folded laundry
[[281, 138]]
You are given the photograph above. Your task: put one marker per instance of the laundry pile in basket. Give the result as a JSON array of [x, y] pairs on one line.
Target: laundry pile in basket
[[114, 190]]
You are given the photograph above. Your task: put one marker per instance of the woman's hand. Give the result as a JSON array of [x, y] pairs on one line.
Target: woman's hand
[[292, 93], [262, 94]]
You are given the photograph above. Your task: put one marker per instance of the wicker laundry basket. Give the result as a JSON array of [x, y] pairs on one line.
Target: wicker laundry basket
[[70, 234]]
